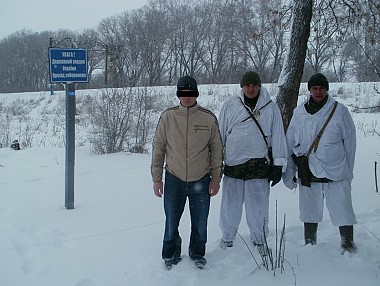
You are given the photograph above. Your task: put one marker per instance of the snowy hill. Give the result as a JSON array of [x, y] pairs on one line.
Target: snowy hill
[[113, 237]]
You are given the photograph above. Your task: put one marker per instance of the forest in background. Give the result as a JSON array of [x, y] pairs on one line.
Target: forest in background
[[213, 40]]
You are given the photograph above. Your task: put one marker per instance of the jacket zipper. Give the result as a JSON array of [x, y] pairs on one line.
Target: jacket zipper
[[187, 139]]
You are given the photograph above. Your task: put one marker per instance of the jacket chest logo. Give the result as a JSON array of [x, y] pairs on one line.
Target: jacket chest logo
[[201, 127]]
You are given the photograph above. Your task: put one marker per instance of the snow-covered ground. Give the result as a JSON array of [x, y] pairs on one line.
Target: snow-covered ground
[[113, 237]]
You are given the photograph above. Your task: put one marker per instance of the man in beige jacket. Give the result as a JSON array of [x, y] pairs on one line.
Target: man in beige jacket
[[187, 144]]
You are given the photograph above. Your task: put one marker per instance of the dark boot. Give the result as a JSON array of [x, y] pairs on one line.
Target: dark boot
[[347, 236], [310, 232]]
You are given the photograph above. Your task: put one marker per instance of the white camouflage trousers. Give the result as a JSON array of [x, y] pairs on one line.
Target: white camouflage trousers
[[338, 203], [254, 194]]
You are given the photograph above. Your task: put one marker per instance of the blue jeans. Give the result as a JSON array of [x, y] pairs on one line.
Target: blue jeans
[[176, 193]]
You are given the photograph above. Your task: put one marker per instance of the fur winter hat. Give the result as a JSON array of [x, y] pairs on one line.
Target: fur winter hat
[[250, 77], [318, 80]]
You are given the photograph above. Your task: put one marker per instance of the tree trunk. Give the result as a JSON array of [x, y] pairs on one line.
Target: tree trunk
[[291, 74]]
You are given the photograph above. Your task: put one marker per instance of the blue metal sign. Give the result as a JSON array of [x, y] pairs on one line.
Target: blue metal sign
[[68, 65]]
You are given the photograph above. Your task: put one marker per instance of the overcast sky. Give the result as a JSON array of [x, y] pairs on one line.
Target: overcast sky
[[42, 15]]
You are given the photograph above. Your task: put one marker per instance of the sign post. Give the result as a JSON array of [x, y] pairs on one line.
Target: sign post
[[69, 66], [70, 145]]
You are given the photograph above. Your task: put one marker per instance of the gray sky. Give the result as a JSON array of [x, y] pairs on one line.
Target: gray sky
[[42, 15]]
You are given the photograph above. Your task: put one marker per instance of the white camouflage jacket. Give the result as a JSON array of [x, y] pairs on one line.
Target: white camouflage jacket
[[242, 139], [335, 155]]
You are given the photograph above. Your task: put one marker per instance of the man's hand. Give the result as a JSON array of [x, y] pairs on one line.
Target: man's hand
[[213, 188], [158, 188], [275, 175], [292, 184]]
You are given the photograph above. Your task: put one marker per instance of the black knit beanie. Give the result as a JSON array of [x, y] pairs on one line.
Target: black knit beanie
[[318, 80], [187, 86], [250, 77]]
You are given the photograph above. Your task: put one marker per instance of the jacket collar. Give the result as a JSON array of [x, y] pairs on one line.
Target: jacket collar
[[263, 100], [191, 109], [324, 110]]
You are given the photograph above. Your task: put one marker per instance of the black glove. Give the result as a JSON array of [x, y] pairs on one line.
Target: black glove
[[275, 175], [304, 173]]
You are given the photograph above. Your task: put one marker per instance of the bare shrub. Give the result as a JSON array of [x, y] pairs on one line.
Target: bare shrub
[[111, 119]]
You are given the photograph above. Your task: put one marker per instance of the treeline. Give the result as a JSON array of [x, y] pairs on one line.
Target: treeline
[[213, 40]]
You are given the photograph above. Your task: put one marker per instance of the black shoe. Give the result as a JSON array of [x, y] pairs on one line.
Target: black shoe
[[170, 262], [310, 233], [351, 248], [224, 244], [200, 262], [347, 239]]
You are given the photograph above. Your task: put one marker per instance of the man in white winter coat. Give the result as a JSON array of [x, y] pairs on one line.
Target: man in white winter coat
[[326, 169], [247, 170]]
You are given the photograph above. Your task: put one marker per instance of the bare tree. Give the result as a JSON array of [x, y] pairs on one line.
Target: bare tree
[[190, 35], [365, 15], [23, 58], [322, 36], [154, 42], [290, 78], [261, 38], [132, 51], [217, 41], [111, 39], [278, 24], [358, 21], [88, 39]]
